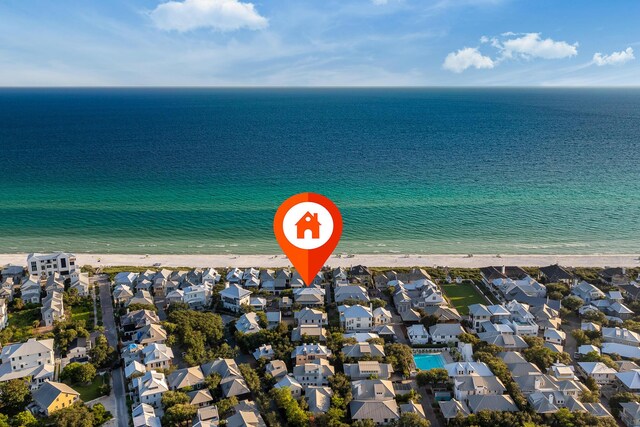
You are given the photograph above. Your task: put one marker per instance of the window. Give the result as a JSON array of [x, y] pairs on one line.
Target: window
[[63, 263]]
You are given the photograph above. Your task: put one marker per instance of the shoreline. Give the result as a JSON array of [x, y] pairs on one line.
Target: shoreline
[[369, 260]]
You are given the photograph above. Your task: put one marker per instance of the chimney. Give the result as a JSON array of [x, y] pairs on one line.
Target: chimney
[[504, 270], [551, 398]]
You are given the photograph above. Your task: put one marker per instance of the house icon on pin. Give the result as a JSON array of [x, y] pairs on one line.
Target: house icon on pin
[[308, 221]]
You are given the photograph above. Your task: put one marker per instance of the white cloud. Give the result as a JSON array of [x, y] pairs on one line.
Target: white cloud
[[220, 15], [465, 58], [531, 45], [616, 58]]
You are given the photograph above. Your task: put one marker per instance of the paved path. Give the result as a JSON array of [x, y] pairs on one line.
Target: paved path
[[108, 320]]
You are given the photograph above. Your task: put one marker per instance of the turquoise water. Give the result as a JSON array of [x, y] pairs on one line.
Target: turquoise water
[[425, 362], [412, 170]]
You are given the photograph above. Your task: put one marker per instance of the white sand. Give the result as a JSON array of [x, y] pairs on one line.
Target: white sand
[[386, 260]]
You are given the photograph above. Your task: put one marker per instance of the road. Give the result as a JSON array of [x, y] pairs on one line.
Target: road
[[109, 323]]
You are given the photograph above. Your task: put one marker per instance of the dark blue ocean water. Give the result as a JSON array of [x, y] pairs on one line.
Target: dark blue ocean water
[[412, 170]]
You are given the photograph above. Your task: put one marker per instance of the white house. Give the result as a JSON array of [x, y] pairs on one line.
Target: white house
[[33, 358], [418, 334], [289, 381], [587, 292], [197, 296], [3, 314], [314, 373], [248, 323], [598, 371], [630, 414], [445, 333], [52, 309], [150, 387], [157, 356], [374, 400], [30, 290], [355, 318], [310, 316], [343, 293], [309, 297], [381, 316], [234, 296], [621, 336], [554, 336], [47, 264], [81, 284]]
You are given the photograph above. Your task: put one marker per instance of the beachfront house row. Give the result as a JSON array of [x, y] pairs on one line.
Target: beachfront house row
[[445, 333], [33, 359], [355, 318], [150, 387], [234, 296], [310, 316], [47, 264]]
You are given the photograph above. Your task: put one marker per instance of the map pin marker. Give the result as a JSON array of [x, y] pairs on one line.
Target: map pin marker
[[308, 227]]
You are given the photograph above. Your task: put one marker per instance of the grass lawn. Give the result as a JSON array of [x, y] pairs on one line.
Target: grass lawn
[[83, 312], [462, 296], [89, 392], [20, 325]]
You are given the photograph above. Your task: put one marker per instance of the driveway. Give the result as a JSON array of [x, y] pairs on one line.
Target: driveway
[[108, 320]]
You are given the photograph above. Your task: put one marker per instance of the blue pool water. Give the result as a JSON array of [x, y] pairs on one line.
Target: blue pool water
[[425, 362]]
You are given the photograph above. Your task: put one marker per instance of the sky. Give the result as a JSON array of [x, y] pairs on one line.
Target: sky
[[319, 43]]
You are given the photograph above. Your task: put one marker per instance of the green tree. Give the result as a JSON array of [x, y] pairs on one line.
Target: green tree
[[4, 420], [295, 416], [179, 415], [572, 302], [410, 419], [401, 358], [100, 414], [432, 376], [25, 419], [225, 405], [171, 398], [251, 377], [102, 355], [78, 373], [14, 395], [76, 415]]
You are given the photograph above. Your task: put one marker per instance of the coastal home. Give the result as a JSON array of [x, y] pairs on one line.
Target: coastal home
[[621, 336], [267, 279], [52, 309], [489, 274], [622, 350], [381, 316], [292, 384], [339, 277], [520, 320], [141, 297], [302, 331], [79, 349], [246, 414], [343, 293], [33, 359], [274, 318], [53, 396], [445, 333], [251, 277], [363, 350], [310, 316], [629, 381], [248, 323], [309, 297], [122, 294], [296, 281], [460, 369], [519, 289], [175, 296], [545, 316], [192, 378], [587, 292], [210, 276], [361, 274], [81, 284], [276, 368], [451, 408], [355, 318], [478, 314], [600, 372], [630, 414], [555, 336], [281, 281], [234, 296], [234, 276], [47, 264], [150, 387], [473, 385], [418, 334], [501, 402], [145, 416], [197, 296], [30, 290], [374, 400], [319, 399], [232, 383], [556, 274], [55, 282], [314, 373], [131, 322], [157, 356], [12, 273], [126, 278], [309, 352], [265, 351], [258, 303], [443, 314], [4, 318], [200, 398], [367, 369], [6, 291], [614, 275]]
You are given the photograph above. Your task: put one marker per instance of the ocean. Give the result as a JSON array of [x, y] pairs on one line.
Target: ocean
[[483, 171]]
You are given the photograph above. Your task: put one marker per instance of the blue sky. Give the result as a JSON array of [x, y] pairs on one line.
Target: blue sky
[[319, 43]]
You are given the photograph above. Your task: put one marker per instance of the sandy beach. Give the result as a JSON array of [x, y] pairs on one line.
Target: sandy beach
[[371, 260]]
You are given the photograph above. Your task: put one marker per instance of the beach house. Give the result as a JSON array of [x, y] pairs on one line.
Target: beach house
[[234, 296], [53, 396], [374, 400], [355, 318], [310, 316], [30, 290], [33, 359], [47, 264], [314, 373], [150, 387]]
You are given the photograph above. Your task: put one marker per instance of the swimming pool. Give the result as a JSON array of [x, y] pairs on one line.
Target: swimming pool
[[428, 361]]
